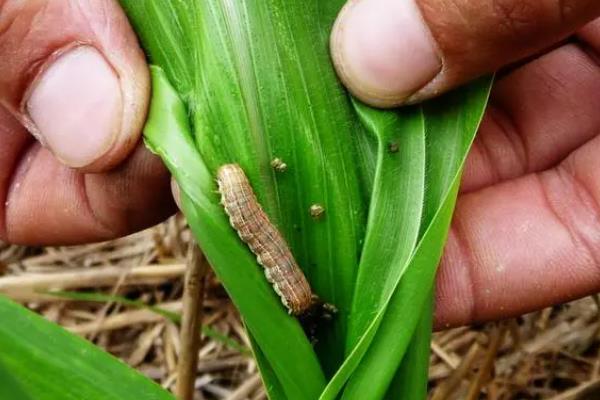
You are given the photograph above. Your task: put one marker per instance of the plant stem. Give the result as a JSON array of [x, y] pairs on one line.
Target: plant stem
[[447, 387], [193, 294], [33, 287], [485, 371]]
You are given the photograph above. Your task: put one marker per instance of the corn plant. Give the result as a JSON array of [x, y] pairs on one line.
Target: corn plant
[[248, 82]]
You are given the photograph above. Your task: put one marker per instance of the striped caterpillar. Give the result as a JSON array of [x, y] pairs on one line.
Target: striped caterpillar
[[264, 240]]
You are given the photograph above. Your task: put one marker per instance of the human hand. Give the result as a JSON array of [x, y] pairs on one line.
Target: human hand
[[73, 75], [526, 233]]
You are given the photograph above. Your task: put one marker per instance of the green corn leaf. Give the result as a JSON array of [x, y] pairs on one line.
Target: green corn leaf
[[41, 361], [247, 82], [451, 123], [272, 385], [10, 388], [411, 379], [280, 336], [405, 305], [251, 99], [395, 210]]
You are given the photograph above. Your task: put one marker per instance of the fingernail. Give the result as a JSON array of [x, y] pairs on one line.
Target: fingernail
[[76, 106], [176, 192], [383, 51]]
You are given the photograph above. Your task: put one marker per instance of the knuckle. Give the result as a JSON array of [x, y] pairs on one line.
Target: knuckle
[[565, 9], [577, 12], [522, 17], [516, 17]]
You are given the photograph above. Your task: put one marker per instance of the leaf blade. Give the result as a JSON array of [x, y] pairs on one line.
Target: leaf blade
[[455, 117], [83, 370], [398, 195], [280, 336]]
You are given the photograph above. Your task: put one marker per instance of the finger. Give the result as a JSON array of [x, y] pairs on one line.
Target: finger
[[538, 114], [176, 192], [49, 203], [14, 142], [524, 244], [391, 52], [82, 89]]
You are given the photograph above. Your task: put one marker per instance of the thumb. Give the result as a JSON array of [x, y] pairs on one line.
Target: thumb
[[393, 52], [72, 72]]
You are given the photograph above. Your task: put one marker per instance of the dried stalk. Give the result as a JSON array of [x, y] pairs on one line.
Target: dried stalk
[[484, 373], [193, 294], [448, 386], [28, 287], [125, 320]]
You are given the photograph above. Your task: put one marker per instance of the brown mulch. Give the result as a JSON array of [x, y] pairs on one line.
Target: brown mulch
[[551, 354]]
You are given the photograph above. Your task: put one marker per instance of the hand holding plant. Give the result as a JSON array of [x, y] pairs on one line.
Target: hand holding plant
[[515, 144], [229, 92]]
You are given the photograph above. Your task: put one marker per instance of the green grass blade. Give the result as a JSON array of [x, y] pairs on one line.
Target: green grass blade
[[451, 122], [83, 370]]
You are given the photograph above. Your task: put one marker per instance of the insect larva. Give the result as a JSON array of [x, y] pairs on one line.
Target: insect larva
[[263, 238]]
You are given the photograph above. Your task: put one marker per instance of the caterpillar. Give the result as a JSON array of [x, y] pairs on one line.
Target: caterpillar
[[255, 229]]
